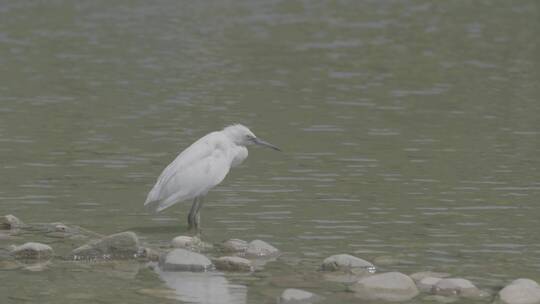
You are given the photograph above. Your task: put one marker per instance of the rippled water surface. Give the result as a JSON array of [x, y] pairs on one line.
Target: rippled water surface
[[410, 130]]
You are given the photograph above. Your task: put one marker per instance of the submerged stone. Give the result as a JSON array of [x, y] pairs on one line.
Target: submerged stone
[[427, 284], [520, 291], [10, 222], [184, 260], [115, 246], [148, 254], [390, 286], [457, 287], [258, 248], [298, 296], [234, 245], [345, 262], [32, 250], [190, 242], [231, 263]]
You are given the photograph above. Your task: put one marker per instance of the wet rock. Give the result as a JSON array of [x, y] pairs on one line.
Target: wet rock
[[115, 246], [418, 276], [298, 296], [190, 242], [456, 287], [427, 284], [258, 248], [32, 250], [184, 260], [234, 245], [344, 262], [36, 267], [520, 291], [230, 263], [148, 254], [9, 264], [10, 222], [390, 286]]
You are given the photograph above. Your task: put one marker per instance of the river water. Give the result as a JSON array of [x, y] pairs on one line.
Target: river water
[[410, 130]]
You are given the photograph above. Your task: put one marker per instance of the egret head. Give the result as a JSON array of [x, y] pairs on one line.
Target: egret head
[[243, 136]]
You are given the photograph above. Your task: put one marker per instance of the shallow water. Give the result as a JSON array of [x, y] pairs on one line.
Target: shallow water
[[410, 130]]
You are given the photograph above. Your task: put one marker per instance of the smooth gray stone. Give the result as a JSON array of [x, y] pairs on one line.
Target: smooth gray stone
[[32, 250], [234, 245], [10, 222], [457, 287], [520, 291], [390, 286], [232, 263], [298, 296], [184, 260], [345, 262], [427, 284], [124, 245], [258, 248]]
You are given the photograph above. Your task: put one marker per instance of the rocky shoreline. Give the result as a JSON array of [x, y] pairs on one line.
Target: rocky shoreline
[[191, 254]]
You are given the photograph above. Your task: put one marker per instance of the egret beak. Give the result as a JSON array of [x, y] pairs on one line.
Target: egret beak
[[261, 142]]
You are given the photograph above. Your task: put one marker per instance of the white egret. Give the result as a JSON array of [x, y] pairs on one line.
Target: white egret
[[200, 167]]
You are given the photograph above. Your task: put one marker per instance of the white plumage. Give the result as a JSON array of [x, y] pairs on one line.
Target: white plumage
[[200, 167]]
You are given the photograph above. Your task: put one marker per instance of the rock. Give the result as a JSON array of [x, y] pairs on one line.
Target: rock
[[456, 287], [390, 286], [32, 250], [234, 245], [148, 254], [230, 263], [426, 284], [298, 296], [10, 222], [184, 260], [525, 282], [258, 248], [418, 276], [115, 246], [344, 262], [190, 242], [520, 291]]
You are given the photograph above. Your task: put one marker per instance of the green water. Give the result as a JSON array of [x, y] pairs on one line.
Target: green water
[[410, 130]]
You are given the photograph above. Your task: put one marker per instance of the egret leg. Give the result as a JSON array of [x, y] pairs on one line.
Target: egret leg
[[192, 222], [198, 213], [194, 216]]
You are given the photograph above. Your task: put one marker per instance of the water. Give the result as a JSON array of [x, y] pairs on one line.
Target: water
[[410, 131]]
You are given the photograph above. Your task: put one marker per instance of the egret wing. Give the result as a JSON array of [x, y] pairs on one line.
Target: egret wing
[[193, 173]]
